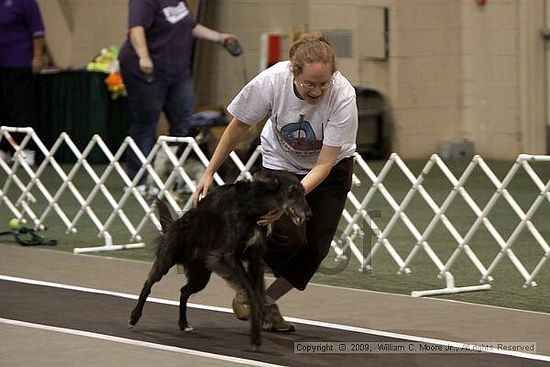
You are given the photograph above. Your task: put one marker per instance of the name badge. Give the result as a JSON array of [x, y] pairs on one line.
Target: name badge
[[176, 13]]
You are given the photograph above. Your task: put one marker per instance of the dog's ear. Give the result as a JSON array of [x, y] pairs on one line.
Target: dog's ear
[[272, 182], [242, 188]]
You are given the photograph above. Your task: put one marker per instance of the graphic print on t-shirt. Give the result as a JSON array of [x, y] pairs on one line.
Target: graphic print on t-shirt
[[174, 14], [299, 138]]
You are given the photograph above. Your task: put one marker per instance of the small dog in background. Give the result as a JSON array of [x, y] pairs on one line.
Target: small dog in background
[[163, 167], [221, 235], [207, 137]]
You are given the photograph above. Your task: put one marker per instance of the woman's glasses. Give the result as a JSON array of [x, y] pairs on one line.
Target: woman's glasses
[[311, 86]]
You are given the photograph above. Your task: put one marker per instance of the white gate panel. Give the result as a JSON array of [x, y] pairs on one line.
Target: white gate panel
[[356, 215]]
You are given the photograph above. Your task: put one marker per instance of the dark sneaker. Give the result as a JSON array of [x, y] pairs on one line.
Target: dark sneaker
[[273, 321], [241, 306]]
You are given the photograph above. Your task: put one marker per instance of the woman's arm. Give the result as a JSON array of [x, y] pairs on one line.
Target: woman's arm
[[318, 173], [37, 47], [322, 168], [228, 142], [139, 43], [208, 34]]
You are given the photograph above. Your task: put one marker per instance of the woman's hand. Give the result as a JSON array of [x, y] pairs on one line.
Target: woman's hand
[[146, 65], [270, 217], [202, 188], [231, 137], [36, 64], [231, 44], [224, 37]]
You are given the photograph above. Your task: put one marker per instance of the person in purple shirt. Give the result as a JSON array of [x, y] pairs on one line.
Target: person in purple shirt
[[155, 66], [21, 45]]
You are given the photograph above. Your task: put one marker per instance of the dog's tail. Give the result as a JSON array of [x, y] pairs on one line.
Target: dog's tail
[[165, 216]]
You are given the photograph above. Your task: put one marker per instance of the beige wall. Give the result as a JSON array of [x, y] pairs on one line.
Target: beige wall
[[425, 88], [503, 74], [76, 30], [455, 70], [219, 75]]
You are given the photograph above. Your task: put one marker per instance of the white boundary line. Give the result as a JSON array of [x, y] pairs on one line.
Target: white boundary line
[[359, 290], [138, 343], [355, 329]]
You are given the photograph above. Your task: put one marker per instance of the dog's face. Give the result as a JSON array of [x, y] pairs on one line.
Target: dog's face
[[288, 195]]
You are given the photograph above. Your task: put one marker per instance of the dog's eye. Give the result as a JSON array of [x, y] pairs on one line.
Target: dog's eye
[[294, 189]]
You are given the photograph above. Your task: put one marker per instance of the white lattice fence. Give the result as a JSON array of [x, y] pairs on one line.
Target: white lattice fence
[[421, 238], [23, 178], [23, 182]]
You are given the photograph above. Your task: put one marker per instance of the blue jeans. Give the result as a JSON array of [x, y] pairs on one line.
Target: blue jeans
[[146, 101]]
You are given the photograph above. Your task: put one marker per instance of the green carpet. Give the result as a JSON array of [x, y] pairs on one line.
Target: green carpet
[[507, 284]]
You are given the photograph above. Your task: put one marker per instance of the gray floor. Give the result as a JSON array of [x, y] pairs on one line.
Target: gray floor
[[424, 317], [51, 348]]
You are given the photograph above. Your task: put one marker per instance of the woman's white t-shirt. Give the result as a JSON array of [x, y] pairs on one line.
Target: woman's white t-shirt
[[296, 130]]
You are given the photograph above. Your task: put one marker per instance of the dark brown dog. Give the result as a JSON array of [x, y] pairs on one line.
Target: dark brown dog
[[222, 235]]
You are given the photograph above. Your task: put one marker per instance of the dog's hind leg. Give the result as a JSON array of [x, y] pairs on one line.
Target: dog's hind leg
[[198, 277], [233, 272], [255, 294], [158, 270]]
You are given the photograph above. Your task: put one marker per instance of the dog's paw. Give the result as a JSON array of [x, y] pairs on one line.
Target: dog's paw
[[186, 327], [255, 348]]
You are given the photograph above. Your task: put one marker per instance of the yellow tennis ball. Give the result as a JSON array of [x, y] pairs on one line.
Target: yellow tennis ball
[[14, 224]]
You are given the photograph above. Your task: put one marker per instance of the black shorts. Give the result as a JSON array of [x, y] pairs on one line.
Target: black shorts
[[295, 252]]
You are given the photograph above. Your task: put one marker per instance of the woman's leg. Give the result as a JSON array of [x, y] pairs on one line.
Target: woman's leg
[[145, 101], [278, 288], [327, 202], [179, 105]]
